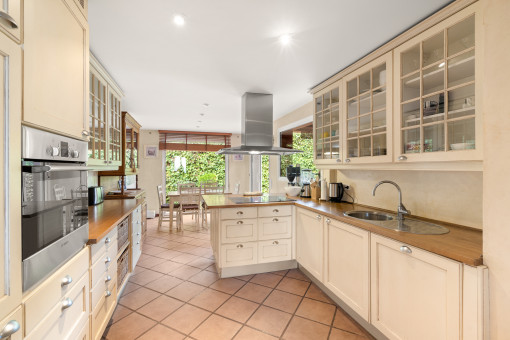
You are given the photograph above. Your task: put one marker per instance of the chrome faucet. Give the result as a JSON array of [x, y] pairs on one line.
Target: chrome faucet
[[401, 210]]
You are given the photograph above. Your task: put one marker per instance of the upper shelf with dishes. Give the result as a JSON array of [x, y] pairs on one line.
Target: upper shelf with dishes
[[419, 102]]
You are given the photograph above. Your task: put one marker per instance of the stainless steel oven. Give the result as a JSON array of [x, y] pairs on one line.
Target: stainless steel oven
[[54, 223]]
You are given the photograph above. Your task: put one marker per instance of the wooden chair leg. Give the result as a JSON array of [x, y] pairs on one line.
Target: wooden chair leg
[[160, 217]]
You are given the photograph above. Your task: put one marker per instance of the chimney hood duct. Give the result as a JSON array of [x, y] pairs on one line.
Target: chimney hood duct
[[257, 128]]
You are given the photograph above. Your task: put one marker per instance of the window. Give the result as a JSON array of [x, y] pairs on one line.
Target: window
[[299, 138]]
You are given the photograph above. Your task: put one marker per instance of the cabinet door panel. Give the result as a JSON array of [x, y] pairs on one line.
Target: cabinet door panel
[[243, 230], [415, 294], [275, 250], [10, 154], [13, 9], [348, 265], [16, 316], [55, 66], [275, 227], [239, 254], [310, 235]]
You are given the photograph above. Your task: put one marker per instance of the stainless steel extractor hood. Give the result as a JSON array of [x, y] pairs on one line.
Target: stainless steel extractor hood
[[257, 127]]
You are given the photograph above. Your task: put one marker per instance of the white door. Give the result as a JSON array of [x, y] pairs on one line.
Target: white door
[[348, 265], [310, 236], [415, 294]]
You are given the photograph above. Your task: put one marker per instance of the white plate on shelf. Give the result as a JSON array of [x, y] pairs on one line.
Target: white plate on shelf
[[461, 146]]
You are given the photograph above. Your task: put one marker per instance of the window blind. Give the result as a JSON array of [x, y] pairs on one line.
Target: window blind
[[193, 141]]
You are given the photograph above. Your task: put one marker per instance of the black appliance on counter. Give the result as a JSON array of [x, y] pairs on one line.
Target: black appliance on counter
[[54, 206], [336, 192], [96, 195]]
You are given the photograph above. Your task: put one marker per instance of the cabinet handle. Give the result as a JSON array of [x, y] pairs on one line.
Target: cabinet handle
[[347, 160], [276, 242], [85, 133], [9, 329], [66, 304], [319, 217], [239, 246], [275, 219], [110, 162], [138, 242], [108, 260], [402, 158], [105, 162], [406, 249], [108, 278], [137, 234], [328, 221], [239, 212], [107, 240], [108, 293], [240, 222], [339, 160], [10, 20], [276, 210], [65, 281]]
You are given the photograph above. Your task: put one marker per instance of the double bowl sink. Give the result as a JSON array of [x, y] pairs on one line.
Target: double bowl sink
[[390, 221]]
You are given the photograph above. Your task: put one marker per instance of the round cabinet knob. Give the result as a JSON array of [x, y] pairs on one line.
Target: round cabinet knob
[[66, 303], [275, 219], [75, 154], [239, 246], [85, 133], [402, 158], [319, 217], [108, 278], [107, 240], [53, 151], [328, 221], [239, 222], [406, 249], [108, 259], [276, 242], [276, 210], [108, 293], [9, 329], [239, 212], [66, 280], [347, 160], [339, 160]]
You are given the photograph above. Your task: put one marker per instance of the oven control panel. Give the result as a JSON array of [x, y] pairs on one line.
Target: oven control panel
[[43, 145]]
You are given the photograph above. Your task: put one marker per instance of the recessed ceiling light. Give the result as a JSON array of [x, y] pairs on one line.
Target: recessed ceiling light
[[199, 121], [205, 104], [198, 126], [179, 20], [285, 39], [202, 114]]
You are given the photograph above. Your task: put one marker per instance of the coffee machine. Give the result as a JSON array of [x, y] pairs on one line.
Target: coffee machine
[[293, 173]]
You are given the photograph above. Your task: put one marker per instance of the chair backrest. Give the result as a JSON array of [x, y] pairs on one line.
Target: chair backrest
[[186, 185], [211, 182], [211, 190], [161, 197], [189, 196]]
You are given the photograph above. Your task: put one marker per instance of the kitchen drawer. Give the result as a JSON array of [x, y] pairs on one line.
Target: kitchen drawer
[[240, 254], [137, 228], [275, 250], [60, 322], [17, 316], [270, 228], [242, 230], [39, 303], [105, 244], [136, 251], [102, 265], [275, 211], [236, 213], [81, 334], [102, 313], [102, 286]]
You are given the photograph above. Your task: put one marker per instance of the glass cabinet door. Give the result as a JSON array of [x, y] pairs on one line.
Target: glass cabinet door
[[437, 91], [97, 150], [327, 125], [129, 147], [366, 107], [115, 135]]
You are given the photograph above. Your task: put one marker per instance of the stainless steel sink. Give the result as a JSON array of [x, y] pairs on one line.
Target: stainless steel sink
[[369, 215], [390, 221]]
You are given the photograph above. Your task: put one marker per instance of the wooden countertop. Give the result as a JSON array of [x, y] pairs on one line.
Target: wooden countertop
[[128, 194], [105, 216], [463, 244]]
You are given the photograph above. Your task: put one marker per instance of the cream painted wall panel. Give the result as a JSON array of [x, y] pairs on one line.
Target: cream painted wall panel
[[454, 197], [239, 170], [150, 174], [496, 186]]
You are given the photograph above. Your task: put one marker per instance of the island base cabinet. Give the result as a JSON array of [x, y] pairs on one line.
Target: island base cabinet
[[415, 294], [240, 254], [310, 236], [348, 265], [275, 250]]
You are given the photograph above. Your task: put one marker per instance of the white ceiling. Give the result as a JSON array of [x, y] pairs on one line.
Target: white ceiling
[[229, 47]]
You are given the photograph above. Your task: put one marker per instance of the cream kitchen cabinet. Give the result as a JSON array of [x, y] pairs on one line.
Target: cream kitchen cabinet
[[438, 94], [10, 184], [327, 131], [105, 118], [367, 106], [12, 325], [415, 294], [56, 66], [11, 23], [347, 272], [136, 236], [310, 241]]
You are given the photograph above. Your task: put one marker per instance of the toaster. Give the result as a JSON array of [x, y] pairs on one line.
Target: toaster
[[96, 195]]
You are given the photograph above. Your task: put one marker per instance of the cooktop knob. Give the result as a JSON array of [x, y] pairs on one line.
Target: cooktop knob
[[53, 151], [75, 154]]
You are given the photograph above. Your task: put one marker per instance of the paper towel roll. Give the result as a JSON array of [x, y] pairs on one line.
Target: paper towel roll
[[324, 190]]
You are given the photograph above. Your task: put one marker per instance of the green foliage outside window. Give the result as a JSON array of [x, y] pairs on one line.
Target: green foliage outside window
[[199, 165]]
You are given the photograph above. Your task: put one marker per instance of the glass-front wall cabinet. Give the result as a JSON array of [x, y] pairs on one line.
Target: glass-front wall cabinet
[[437, 111], [368, 112], [327, 125]]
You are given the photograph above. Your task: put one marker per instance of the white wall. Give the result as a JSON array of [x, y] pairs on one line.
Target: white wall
[[150, 173], [496, 184], [239, 170]]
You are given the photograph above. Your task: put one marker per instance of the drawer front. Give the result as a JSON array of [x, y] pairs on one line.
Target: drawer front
[[271, 228], [275, 211], [234, 231], [137, 227], [275, 250], [102, 287], [81, 334], [136, 251], [239, 254], [50, 292], [17, 316], [235, 213], [136, 215], [106, 243], [101, 267], [102, 313], [60, 322]]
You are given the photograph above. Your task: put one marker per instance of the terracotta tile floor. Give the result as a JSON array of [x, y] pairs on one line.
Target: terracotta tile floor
[[175, 293]]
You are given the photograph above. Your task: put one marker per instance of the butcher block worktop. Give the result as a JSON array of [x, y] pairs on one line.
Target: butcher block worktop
[[462, 244], [105, 216]]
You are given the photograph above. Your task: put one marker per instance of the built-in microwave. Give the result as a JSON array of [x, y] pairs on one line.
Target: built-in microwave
[[54, 224]]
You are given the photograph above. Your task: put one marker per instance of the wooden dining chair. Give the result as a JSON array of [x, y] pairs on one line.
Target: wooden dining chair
[[165, 215], [189, 199], [209, 190]]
